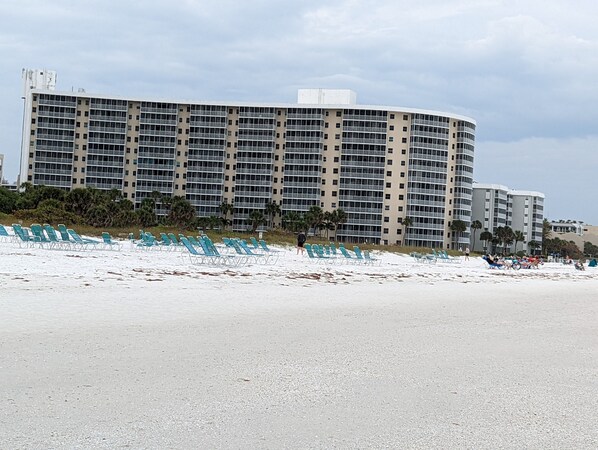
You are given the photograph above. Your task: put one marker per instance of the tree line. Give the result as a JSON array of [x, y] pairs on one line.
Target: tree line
[[104, 209]]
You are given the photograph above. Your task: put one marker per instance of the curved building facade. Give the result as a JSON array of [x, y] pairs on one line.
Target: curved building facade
[[379, 164]]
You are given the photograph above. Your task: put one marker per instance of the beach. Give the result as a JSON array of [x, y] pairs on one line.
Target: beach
[[142, 349]]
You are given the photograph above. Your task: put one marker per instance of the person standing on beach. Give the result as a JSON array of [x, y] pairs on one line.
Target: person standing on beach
[[300, 241], [466, 253]]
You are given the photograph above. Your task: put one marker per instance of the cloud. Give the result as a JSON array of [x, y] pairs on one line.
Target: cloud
[[563, 169], [523, 70]]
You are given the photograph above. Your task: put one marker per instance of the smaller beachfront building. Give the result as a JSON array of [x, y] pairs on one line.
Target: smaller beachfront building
[[496, 205]]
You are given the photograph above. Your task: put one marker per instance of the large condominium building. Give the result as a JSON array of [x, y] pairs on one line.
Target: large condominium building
[[496, 206], [379, 164]]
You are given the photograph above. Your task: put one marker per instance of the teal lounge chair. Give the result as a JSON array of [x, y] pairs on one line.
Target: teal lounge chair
[[85, 244], [108, 243]]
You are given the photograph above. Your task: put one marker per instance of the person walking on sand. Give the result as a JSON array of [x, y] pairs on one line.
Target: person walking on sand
[[300, 241], [466, 253]]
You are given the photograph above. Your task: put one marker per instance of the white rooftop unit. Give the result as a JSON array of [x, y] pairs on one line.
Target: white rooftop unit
[[38, 79], [326, 97]]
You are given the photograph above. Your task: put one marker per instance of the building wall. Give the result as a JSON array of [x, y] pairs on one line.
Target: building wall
[[378, 164], [496, 206]]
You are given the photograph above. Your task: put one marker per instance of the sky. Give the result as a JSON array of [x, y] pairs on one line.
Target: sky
[[525, 70]]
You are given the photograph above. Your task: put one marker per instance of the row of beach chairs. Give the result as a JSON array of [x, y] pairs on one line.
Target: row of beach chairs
[[329, 254], [47, 237], [201, 249], [437, 256]]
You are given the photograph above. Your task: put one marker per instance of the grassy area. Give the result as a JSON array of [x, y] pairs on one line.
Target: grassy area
[[276, 237]]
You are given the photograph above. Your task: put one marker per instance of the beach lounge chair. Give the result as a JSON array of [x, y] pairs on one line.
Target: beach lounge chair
[[5, 236], [264, 246], [425, 259], [64, 234], [60, 244], [493, 265], [351, 259], [24, 238], [86, 244], [260, 256], [210, 249], [367, 257], [254, 242], [317, 258], [444, 257], [108, 243], [38, 233], [360, 257]]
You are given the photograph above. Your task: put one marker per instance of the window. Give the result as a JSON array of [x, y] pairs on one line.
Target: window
[[401, 197], [390, 150], [387, 196], [388, 185], [402, 163], [338, 114], [402, 174], [338, 125], [391, 139], [404, 151], [336, 159], [389, 173], [334, 193], [402, 186], [326, 124], [389, 162], [405, 117], [386, 219], [391, 127], [337, 136], [404, 140], [385, 231], [335, 182], [405, 129]]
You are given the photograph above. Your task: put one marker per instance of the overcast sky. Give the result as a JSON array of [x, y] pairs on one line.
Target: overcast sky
[[526, 70]]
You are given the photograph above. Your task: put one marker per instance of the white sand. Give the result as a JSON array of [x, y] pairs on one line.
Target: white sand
[[144, 350]]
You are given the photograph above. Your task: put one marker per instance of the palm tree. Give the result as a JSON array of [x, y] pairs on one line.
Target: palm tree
[[226, 209], [157, 197], [290, 219], [533, 245], [407, 223], [475, 226], [256, 218], [339, 216], [458, 227], [509, 238], [272, 209], [518, 237], [214, 222], [181, 212], [485, 236], [328, 223], [505, 236], [546, 234], [314, 217]]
